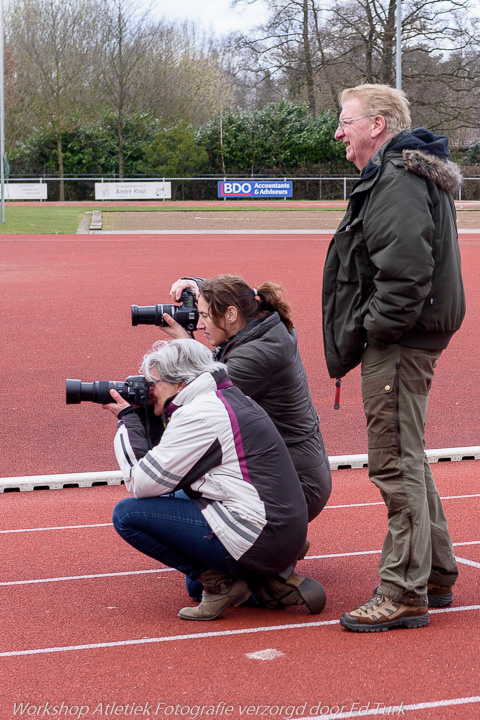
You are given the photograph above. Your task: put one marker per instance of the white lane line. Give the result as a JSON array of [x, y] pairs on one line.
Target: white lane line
[[390, 710], [85, 577], [369, 504], [168, 638], [464, 561], [327, 507], [459, 497], [306, 231], [163, 570], [57, 527], [375, 552], [199, 636]]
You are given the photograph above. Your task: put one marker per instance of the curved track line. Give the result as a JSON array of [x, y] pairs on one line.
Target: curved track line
[[68, 578], [467, 562]]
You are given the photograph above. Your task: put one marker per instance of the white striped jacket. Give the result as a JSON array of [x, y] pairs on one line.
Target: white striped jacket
[[223, 450]]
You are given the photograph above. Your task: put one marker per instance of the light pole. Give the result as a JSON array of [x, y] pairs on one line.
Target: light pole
[[398, 83]]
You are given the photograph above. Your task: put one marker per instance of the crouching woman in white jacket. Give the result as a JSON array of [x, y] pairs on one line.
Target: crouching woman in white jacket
[[241, 519]]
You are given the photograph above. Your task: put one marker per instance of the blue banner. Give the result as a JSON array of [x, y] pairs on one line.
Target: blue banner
[[255, 188]]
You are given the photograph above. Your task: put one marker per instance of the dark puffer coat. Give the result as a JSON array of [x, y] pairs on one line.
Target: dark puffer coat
[[392, 272], [263, 361]]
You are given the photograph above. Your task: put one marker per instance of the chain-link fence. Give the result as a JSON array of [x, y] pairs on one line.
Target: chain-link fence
[[328, 187]]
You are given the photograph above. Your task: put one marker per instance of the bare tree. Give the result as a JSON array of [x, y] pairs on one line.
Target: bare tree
[[321, 48], [49, 46], [283, 46], [146, 65], [125, 37], [191, 82]]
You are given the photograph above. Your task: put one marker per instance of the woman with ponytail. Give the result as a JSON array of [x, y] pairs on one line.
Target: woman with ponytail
[[251, 331]]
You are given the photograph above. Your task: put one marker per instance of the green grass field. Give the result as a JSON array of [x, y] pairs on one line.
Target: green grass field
[[25, 220], [61, 220]]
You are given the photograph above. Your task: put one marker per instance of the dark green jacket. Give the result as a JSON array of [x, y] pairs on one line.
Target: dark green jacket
[[392, 272]]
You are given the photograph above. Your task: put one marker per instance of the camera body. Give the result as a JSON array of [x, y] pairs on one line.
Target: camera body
[[185, 314], [134, 390]]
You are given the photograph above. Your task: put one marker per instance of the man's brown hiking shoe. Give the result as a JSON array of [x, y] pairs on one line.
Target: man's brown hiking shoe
[[439, 596], [381, 613]]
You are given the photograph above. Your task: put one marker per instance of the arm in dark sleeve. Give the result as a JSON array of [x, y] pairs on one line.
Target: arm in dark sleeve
[[135, 422], [198, 280]]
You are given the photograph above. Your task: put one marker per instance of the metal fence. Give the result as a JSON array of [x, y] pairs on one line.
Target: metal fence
[[325, 187]]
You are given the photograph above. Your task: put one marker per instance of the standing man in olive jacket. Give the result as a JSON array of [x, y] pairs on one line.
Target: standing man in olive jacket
[[392, 299]]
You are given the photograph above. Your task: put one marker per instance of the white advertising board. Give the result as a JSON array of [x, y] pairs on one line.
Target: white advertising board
[[133, 191], [25, 191]]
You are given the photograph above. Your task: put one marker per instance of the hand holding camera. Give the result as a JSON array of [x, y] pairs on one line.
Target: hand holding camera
[[184, 315], [117, 405], [178, 321], [183, 284], [173, 328]]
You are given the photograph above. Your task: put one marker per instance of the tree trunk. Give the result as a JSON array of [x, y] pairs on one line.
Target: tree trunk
[[121, 146], [308, 60], [389, 38], [61, 173], [222, 156], [369, 45], [324, 64]]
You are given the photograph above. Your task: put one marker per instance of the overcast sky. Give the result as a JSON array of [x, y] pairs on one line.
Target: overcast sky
[[214, 14]]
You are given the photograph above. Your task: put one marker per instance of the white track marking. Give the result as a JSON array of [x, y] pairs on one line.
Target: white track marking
[[269, 654], [392, 710], [200, 636], [85, 577], [57, 527], [163, 570], [464, 561], [109, 524]]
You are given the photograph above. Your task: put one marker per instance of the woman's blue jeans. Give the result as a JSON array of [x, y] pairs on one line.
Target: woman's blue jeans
[[172, 530]]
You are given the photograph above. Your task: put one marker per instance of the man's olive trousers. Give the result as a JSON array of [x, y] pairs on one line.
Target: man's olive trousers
[[417, 549]]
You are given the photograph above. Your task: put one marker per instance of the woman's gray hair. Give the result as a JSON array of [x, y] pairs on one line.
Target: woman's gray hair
[[179, 360]]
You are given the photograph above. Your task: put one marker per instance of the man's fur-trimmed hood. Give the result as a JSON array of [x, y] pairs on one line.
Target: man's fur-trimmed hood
[[423, 153], [442, 172]]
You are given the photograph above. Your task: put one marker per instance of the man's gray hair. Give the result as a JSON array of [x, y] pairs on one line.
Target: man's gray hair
[[179, 360], [383, 100]]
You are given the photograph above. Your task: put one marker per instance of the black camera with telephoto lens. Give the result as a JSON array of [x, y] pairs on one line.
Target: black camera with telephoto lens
[[185, 314], [134, 390]]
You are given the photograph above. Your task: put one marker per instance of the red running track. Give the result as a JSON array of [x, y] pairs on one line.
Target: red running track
[[88, 622], [90, 627], [65, 313]]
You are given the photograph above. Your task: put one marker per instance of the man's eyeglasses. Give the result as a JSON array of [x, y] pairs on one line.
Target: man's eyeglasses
[[342, 122]]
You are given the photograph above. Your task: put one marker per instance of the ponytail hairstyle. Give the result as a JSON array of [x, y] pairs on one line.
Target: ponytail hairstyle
[[224, 291]]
